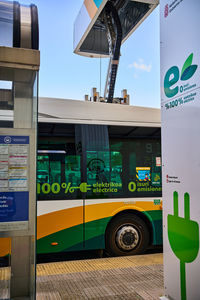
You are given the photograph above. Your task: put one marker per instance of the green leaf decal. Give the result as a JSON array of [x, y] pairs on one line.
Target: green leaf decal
[[187, 63], [188, 72]]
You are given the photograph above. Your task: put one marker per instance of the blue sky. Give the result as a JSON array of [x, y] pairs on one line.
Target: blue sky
[[64, 74]]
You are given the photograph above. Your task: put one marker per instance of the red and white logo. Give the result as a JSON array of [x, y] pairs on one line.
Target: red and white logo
[[166, 10]]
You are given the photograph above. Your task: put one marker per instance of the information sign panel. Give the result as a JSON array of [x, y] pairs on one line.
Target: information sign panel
[[14, 182]]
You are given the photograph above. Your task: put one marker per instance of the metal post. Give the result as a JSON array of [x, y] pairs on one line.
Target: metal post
[[21, 67]]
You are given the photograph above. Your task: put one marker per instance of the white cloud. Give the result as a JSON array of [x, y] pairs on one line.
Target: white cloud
[[140, 65]]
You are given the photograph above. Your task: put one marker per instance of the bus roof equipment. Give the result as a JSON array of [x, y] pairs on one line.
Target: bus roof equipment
[[103, 25]]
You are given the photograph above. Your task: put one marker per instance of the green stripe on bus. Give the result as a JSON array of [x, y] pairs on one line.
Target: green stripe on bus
[[65, 238], [155, 217], [71, 239]]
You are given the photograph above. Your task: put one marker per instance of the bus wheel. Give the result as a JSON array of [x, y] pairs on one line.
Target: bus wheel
[[127, 235]]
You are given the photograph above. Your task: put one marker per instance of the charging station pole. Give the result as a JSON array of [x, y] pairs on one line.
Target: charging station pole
[[19, 70], [180, 106], [19, 66]]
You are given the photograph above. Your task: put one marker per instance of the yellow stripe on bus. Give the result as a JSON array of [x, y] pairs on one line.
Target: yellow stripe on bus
[[56, 221], [59, 220], [5, 246], [100, 211]]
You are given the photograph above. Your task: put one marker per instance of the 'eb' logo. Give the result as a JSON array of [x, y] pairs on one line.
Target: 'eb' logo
[[172, 76]]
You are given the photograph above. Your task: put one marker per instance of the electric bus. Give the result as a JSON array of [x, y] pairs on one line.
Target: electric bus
[[99, 182]]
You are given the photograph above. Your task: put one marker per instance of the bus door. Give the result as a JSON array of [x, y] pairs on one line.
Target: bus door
[[60, 207], [93, 142]]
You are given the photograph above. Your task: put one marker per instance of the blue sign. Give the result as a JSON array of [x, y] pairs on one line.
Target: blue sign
[[14, 206], [14, 139]]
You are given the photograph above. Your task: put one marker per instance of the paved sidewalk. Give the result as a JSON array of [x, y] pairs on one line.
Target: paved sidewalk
[[125, 278], [120, 278]]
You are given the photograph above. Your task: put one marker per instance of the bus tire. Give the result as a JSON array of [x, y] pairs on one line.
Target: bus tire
[[127, 235]]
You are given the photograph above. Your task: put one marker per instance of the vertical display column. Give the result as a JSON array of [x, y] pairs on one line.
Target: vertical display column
[[180, 104], [18, 139]]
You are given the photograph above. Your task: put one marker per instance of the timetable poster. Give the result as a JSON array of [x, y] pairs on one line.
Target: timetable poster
[[14, 181]]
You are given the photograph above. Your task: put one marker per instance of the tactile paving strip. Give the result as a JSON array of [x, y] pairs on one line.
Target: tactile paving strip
[[5, 274], [98, 264]]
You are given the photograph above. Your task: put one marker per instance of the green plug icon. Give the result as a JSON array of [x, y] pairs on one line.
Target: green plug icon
[[183, 235]]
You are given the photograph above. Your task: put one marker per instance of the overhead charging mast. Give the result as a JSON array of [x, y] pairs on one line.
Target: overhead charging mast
[[114, 36], [100, 29]]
